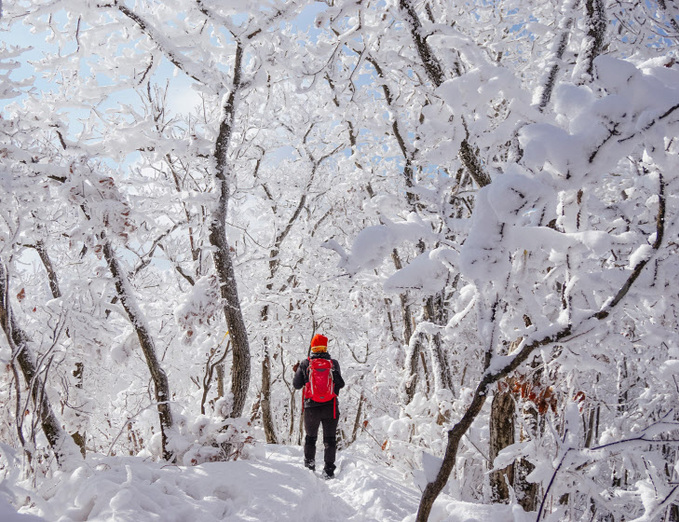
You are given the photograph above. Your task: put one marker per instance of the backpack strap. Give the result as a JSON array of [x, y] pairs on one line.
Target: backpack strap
[[306, 374]]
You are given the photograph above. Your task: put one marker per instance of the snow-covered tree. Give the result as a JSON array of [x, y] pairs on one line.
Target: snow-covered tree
[[471, 200]]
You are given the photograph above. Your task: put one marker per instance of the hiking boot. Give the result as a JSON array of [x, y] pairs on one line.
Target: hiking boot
[[328, 474], [310, 464]]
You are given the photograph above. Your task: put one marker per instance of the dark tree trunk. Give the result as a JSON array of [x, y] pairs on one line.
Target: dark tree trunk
[[49, 268], [357, 420], [160, 382], [501, 436], [556, 61], [221, 255], [267, 417], [434, 304], [412, 357], [18, 341], [79, 438], [527, 492], [78, 373], [413, 352]]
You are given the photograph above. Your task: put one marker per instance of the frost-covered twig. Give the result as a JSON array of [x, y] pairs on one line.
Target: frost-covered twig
[[551, 483], [643, 438], [210, 367], [126, 423]]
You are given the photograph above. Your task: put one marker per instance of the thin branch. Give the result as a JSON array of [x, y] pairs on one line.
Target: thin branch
[[173, 55], [551, 483], [149, 255]]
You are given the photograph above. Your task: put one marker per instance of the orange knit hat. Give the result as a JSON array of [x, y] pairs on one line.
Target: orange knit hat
[[319, 343]]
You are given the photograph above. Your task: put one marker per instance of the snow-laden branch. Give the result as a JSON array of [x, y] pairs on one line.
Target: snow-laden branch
[[18, 341], [501, 367]]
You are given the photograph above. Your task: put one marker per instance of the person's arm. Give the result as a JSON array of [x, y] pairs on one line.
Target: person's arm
[[300, 378], [337, 376]]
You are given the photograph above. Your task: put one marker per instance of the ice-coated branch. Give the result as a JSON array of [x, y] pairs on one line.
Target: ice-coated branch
[[645, 437], [615, 134], [406, 151], [660, 230]]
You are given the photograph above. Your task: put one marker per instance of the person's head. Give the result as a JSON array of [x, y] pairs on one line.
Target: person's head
[[319, 344]]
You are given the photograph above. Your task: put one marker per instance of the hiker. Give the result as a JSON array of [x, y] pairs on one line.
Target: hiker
[[321, 379]]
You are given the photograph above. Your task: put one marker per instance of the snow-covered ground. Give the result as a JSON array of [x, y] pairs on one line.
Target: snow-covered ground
[[271, 485]]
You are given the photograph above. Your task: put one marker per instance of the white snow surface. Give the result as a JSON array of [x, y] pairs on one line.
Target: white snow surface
[[271, 485]]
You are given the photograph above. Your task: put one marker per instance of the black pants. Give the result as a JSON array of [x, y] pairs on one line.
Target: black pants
[[327, 415]]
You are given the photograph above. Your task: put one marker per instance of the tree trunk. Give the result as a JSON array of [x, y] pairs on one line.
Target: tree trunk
[[413, 352], [527, 492], [221, 254], [51, 273], [441, 367], [18, 341], [501, 436], [78, 373], [412, 356], [160, 382], [267, 418], [357, 420], [79, 438]]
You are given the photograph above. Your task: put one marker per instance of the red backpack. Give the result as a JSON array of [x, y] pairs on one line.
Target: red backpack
[[320, 386]]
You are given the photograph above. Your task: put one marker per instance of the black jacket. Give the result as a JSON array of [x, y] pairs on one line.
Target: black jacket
[[302, 377]]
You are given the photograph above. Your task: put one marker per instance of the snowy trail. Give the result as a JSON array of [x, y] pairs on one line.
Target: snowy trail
[[273, 485], [374, 494]]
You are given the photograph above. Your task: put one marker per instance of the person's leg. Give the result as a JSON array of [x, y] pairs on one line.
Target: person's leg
[[330, 441], [312, 420]]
